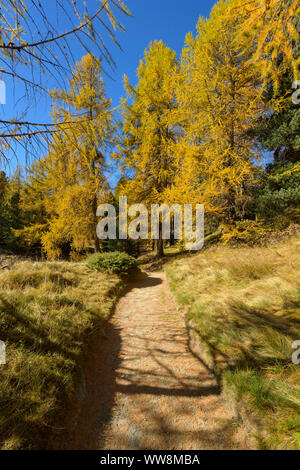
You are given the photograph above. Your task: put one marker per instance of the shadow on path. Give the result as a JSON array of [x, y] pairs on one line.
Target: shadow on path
[[144, 388]]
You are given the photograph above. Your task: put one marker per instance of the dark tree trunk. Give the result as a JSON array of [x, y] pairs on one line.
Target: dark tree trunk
[[97, 248], [160, 248], [160, 243], [172, 238]]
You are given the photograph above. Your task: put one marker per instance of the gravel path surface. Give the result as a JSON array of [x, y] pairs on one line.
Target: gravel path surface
[[145, 389]]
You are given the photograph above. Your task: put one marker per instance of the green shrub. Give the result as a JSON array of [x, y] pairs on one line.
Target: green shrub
[[112, 262]]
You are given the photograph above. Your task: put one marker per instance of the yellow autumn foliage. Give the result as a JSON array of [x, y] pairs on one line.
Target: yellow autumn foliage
[[70, 180]]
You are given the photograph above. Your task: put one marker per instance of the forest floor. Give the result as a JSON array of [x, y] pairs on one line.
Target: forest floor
[[145, 388]]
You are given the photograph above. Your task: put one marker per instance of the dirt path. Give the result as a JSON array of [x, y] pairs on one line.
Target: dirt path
[[146, 390]]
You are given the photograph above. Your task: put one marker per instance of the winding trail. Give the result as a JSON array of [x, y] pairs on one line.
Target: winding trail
[[145, 388]]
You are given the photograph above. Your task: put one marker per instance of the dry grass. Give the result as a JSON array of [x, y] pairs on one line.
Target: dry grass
[[48, 314], [245, 304]]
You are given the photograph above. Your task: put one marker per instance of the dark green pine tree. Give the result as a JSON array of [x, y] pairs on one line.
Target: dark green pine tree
[[280, 133], [279, 195]]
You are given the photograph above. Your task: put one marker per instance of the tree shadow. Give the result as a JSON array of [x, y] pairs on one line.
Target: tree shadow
[[140, 280], [151, 263], [112, 375], [86, 420], [257, 317], [33, 337]]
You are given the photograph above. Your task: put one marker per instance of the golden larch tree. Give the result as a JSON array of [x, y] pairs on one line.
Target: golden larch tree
[[146, 146], [73, 180], [219, 95]]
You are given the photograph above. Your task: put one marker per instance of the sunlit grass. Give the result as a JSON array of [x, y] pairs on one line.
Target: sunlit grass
[[48, 314], [245, 304]]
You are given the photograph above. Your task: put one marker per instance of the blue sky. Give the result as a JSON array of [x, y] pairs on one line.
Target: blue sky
[[169, 20]]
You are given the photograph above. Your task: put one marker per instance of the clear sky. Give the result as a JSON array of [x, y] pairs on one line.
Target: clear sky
[[169, 20]]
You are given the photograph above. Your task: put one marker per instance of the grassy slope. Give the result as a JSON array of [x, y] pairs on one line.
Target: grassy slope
[[48, 314], [244, 303]]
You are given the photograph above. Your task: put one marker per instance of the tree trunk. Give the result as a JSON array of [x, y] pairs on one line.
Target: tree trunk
[[160, 248], [172, 235], [97, 248], [160, 243]]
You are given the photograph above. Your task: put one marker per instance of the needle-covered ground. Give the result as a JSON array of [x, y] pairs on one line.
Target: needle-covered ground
[[146, 390], [244, 304], [49, 314]]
